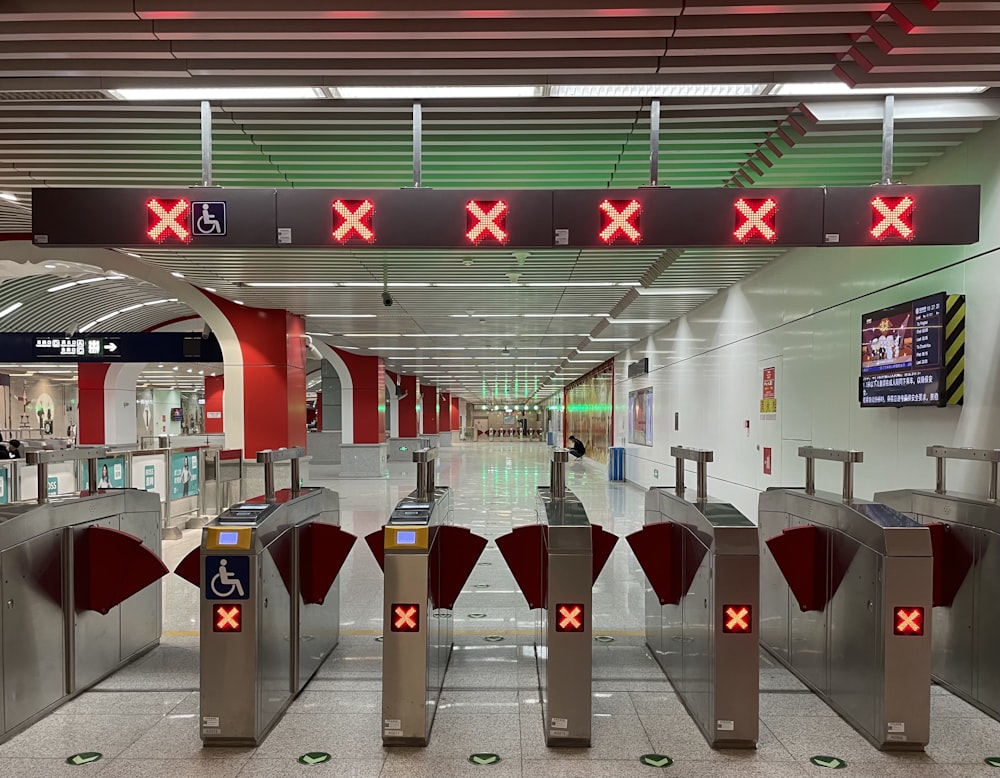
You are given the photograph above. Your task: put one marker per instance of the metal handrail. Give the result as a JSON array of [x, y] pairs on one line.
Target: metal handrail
[[701, 457], [268, 457], [849, 457], [944, 453]]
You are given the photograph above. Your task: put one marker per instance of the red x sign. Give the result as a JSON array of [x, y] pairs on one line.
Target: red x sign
[[736, 619], [486, 220], [228, 619], [909, 621], [569, 618], [168, 217], [620, 218], [892, 216], [406, 618], [353, 217], [755, 217]]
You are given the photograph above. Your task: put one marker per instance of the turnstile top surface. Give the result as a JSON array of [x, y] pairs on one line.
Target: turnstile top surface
[[955, 507], [716, 524], [882, 528], [565, 512], [274, 519]]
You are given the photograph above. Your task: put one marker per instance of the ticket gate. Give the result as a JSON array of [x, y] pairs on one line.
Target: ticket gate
[[555, 563], [268, 572], [426, 561], [965, 536], [846, 603], [80, 581], [701, 559]]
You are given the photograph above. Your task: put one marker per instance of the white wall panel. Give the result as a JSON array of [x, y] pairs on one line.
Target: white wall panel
[[803, 312]]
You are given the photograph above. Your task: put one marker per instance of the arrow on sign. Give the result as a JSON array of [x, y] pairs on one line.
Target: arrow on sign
[[828, 761], [85, 758], [315, 757], [484, 759], [992, 761], [112, 347], [656, 760]]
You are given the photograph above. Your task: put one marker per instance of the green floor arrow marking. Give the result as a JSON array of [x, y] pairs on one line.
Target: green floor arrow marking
[[85, 758], [477, 615], [484, 759], [656, 760], [379, 639], [603, 639], [493, 638], [831, 762], [481, 586], [315, 757], [992, 761]]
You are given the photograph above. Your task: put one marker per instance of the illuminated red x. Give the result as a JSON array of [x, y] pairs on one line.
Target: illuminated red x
[[620, 217], [486, 220], [570, 618], [909, 621], [355, 217], [892, 215], [227, 619], [755, 216], [737, 618], [405, 618], [166, 217]]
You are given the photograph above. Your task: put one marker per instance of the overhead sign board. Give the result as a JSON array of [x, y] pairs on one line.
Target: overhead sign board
[[114, 347], [417, 218]]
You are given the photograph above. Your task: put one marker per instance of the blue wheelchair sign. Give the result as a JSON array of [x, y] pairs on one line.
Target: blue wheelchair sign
[[209, 218], [227, 577]]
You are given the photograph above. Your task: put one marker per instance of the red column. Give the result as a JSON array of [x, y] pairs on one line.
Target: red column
[[214, 387], [274, 377], [444, 413], [429, 409], [368, 381], [407, 406], [91, 404]]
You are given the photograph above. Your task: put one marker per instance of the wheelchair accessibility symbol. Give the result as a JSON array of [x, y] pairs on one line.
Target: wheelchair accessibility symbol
[[209, 218], [228, 577]]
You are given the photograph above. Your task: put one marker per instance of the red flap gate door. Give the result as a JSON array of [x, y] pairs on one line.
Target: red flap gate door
[[323, 549], [524, 552], [111, 566]]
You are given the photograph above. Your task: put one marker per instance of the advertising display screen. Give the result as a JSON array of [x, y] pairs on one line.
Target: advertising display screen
[[640, 416], [904, 353]]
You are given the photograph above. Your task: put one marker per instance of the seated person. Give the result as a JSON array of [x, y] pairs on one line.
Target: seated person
[[578, 449]]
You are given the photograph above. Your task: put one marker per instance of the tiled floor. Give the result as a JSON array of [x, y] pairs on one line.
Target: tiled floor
[[144, 719]]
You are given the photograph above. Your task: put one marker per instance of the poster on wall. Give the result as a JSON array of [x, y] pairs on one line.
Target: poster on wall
[[640, 416], [183, 475], [110, 473], [768, 400]]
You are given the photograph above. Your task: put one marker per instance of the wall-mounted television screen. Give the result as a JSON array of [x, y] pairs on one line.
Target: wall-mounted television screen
[[176, 414], [640, 416], [906, 354]]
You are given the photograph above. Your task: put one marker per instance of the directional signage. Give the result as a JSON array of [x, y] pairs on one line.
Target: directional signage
[[512, 218], [484, 759], [315, 757], [109, 347], [656, 760], [831, 762], [87, 757], [992, 761]]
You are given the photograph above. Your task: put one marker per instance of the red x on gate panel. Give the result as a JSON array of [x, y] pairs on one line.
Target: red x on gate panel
[[353, 218], [569, 617], [228, 618], [908, 621], [405, 617], [486, 220], [736, 619], [620, 218], [755, 218], [168, 217], [893, 217]]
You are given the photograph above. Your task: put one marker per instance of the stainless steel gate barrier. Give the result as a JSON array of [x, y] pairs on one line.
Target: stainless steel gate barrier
[[965, 536], [846, 603], [268, 572], [80, 581], [701, 558], [556, 562], [426, 560]]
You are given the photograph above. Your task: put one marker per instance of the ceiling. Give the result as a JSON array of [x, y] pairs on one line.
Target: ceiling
[[558, 313]]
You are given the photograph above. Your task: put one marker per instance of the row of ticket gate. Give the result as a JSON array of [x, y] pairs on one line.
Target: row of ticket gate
[[839, 590]]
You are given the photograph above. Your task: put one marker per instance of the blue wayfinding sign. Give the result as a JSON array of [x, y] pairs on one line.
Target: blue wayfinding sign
[[209, 218], [228, 577]]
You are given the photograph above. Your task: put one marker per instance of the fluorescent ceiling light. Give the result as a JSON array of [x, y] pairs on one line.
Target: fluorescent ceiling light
[[475, 285], [377, 285], [372, 335], [596, 351], [482, 315], [656, 90], [570, 283], [676, 291], [69, 284], [449, 92], [613, 340], [10, 309], [556, 315], [840, 88], [10, 196], [340, 315], [392, 348], [636, 321], [442, 348], [490, 335], [430, 335], [221, 93], [290, 284]]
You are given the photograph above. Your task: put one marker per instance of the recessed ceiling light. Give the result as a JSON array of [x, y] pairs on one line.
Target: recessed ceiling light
[[291, 284], [10, 309], [446, 92], [676, 291], [9, 196], [221, 93], [656, 90], [340, 315], [636, 321], [175, 274]]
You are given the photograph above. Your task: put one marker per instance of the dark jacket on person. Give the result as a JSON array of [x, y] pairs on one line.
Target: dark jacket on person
[[578, 447]]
